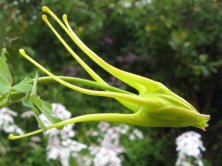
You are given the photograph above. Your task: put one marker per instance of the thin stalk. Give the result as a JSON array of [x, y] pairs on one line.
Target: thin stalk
[[83, 82], [78, 59], [111, 117], [120, 74], [129, 105]]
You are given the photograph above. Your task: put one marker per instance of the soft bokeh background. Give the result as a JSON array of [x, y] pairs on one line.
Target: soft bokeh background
[[178, 43]]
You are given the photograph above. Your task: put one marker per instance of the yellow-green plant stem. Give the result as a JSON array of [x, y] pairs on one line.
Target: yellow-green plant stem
[[130, 98], [111, 117], [83, 82]]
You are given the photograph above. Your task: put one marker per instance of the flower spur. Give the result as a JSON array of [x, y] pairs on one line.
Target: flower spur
[[154, 105]]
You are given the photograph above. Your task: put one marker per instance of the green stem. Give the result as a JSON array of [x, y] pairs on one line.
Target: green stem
[[84, 82], [81, 62], [111, 117]]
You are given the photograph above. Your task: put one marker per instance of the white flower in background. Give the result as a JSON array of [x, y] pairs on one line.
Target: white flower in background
[[105, 157], [189, 147], [7, 123], [60, 144], [34, 142], [190, 144], [109, 149], [123, 129], [103, 126], [61, 111], [84, 160], [125, 3], [143, 2], [136, 134], [27, 114]]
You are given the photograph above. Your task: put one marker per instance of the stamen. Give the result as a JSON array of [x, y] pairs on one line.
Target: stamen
[[129, 98]]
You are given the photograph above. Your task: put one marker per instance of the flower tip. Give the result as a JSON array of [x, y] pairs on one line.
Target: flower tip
[[22, 51], [204, 123], [45, 8], [11, 136], [64, 17], [44, 17], [208, 117]]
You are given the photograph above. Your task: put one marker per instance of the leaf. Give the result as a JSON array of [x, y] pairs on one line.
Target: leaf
[[46, 109], [28, 103], [4, 90], [34, 87], [23, 86], [5, 75], [3, 97]]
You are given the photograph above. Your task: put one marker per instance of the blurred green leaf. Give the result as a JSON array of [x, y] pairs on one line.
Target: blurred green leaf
[[46, 109], [5, 75], [24, 86], [28, 103]]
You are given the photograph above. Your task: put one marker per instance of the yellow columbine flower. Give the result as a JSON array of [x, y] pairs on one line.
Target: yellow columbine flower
[[154, 105]]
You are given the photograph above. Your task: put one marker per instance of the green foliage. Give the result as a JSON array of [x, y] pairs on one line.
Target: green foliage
[[24, 86], [5, 75]]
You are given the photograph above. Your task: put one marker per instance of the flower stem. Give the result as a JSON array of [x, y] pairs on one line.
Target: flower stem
[[111, 117], [83, 82]]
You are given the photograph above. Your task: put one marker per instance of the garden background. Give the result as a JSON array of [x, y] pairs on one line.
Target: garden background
[[178, 43]]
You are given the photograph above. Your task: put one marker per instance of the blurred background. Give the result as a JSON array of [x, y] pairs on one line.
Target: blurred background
[[178, 43]]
